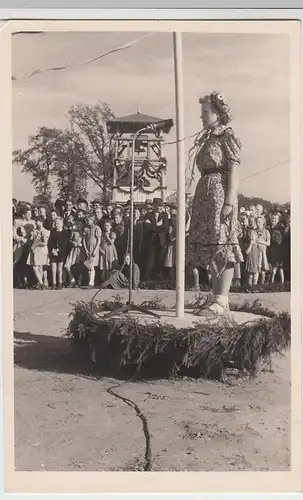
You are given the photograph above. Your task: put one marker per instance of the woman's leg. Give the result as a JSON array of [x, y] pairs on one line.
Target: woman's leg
[[195, 274], [221, 281], [91, 275], [237, 274], [71, 279], [281, 271], [249, 279], [225, 280], [60, 273], [44, 274], [37, 272], [54, 273], [273, 274], [255, 279], [214, 279]]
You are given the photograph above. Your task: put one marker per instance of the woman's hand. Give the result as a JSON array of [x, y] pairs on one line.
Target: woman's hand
[[225, 212]]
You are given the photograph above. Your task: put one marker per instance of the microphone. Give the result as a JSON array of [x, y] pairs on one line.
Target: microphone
[[163, 125]]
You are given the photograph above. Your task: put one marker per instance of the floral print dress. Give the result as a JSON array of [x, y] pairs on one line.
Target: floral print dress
[[210, 241]]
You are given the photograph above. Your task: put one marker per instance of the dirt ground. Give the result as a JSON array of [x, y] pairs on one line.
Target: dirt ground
[[66, 421]]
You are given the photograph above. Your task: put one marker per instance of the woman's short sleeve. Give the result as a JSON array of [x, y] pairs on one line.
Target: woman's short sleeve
[[231, 146], [98, 232]]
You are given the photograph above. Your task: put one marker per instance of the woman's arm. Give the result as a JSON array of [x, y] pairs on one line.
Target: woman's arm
[[84, 243], [267, 238], [98, 241], [248, 250], [232, 184], [231, 191], [112, 238], [231, 147], [43, 240], [252, 240]]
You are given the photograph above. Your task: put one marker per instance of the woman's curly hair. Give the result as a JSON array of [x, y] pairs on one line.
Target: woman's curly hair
[[219, 102]]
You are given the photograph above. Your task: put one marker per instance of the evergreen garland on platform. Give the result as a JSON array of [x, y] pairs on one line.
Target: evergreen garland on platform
[[265, 288], [120, 346]]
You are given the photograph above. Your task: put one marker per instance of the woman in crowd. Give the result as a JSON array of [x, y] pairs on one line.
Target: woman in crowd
[[38, 254], [58, 248], [108, 252], [22, 230], [263, 242], [275, 252], [212, 238], [74, 262], [91, 245], [257, 263]]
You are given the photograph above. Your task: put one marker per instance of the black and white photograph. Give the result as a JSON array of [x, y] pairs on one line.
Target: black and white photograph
[[151, 226]]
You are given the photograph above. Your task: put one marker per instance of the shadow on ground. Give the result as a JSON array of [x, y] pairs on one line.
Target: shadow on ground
[[45, 353], [52, 354]]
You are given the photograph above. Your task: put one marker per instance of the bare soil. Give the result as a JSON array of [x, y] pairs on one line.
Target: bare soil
[[66, 421]]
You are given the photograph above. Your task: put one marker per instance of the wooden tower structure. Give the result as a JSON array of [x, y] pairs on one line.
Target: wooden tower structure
[[150, 162]]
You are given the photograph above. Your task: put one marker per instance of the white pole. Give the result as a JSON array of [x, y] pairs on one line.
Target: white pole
[[180, 264]]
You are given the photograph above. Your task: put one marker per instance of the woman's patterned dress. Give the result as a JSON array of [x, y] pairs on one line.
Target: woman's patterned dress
[[210, 241]]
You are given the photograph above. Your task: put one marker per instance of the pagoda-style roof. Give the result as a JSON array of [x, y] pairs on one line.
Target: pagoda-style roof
[[130, 123]]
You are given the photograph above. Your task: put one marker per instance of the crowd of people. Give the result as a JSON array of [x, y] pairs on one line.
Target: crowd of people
[[84, 244]]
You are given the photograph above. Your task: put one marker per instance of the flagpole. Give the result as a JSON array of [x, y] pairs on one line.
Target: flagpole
[[180, 242]]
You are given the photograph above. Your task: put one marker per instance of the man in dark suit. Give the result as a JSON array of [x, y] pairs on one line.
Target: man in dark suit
[[154, 241]]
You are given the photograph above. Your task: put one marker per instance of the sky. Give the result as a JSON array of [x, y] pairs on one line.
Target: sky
[[251, 70]]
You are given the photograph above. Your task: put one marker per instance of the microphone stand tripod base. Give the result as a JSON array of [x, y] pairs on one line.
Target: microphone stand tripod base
[[131, 307]]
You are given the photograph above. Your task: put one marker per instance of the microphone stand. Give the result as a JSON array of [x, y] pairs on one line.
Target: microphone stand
[[130, 306]]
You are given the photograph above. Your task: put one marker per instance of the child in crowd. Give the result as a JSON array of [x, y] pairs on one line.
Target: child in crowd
[[275, 252], [58, 247], [91, 244], [136, 272], [49, 222], [108, 252], [21, 234], [38, 253], [256, 253], [74, 261], [253, 260], [263, 242]]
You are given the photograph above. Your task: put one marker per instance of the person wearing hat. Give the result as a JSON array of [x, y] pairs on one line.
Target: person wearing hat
[[149, 205], [154, 241], [82, 204], [68, 210], [97, 203]]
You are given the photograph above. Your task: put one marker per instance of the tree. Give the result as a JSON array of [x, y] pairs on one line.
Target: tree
[[68, 158], [94, 146], [71, 179], [53, 160], [39, 158]]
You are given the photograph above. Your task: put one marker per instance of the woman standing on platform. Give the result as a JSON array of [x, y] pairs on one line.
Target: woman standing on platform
[[212, 237]]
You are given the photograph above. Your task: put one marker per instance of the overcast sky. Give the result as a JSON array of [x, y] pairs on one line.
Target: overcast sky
[[251, 70]]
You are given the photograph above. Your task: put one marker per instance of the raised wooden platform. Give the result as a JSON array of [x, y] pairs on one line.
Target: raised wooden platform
[[168, 317]]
